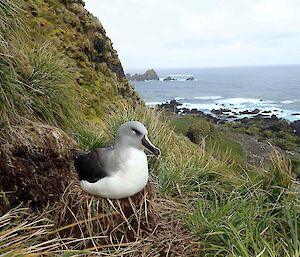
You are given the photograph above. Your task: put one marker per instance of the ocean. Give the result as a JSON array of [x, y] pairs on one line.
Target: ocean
[[272, 89]]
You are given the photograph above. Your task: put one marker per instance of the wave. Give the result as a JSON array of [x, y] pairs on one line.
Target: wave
[[200, 107], [290, 101], [240, 100], [208, 97], [178, 98], [152, 104]]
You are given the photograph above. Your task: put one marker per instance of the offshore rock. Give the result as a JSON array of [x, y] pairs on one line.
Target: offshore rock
[[169, 78], [148, 75]]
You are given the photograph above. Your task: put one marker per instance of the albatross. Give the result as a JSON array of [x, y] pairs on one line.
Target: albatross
[[118, 171]]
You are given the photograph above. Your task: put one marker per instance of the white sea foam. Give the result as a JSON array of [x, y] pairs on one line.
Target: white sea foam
[[208, 97], [201, 107], [239, 100], [237, 105], [152, 104], [287, 102]]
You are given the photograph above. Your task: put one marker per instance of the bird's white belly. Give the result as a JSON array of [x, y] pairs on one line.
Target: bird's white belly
[[131, 178]]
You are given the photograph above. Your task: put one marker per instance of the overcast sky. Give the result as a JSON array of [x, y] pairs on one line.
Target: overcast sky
[[201, 33]]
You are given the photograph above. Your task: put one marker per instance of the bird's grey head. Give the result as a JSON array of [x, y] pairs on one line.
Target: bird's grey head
[[135, 134]]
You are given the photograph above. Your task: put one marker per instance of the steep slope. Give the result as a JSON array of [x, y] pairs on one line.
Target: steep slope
[[59, 76], [96, 67]]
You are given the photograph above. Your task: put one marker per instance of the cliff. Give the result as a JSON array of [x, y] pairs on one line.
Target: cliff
[[76, 33]]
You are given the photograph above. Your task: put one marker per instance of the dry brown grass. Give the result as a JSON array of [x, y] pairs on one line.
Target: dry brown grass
[[86, 226], [141, 225], [114, 221], [36, 162]]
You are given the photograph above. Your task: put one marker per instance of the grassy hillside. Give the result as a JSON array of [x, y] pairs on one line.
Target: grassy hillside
[[63, 88]]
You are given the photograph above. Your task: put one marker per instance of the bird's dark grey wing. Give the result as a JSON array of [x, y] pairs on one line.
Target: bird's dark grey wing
[[90, 166]]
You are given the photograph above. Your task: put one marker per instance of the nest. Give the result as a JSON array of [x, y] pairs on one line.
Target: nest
[[103, 221], [141, 225]]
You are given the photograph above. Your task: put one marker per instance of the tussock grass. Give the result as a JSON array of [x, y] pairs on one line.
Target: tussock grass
[[9, 21], [255, 219], [37, 87], [24, 234], [35, 80], [246, 224]]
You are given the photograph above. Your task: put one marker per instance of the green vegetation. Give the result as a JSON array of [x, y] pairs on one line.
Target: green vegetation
[[233, 213], [217, 139], [277, 132], [202, 201]]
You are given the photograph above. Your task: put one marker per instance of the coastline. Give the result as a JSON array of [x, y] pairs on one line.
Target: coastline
[[266, 119], [229, 110], [272, 90]]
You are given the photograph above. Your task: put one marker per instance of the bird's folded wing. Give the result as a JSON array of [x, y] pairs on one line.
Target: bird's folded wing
[[91, 166]]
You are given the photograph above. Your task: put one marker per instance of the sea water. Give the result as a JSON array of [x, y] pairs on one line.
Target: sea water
[[275, 89]]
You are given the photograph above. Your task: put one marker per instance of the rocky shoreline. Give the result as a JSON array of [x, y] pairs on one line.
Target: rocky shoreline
[[226, 115]]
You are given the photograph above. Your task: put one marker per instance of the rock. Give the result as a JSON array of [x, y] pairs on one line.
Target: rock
[[274, 117], [221, 111], [255, 111], [295, 125], [232, 117], [195, 111], [170, 106], [295, 114], [169, 78], [266, 111], [148, 75], [184, 111], [190, 78], [260, 116]]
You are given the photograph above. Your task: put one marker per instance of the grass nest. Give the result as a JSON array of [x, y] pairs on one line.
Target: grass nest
[[141, 225], [114, 222]]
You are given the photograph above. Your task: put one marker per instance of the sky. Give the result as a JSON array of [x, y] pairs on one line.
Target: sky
[[201, 33]]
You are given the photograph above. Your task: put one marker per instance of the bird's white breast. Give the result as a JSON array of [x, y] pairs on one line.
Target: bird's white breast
[[130, 178]]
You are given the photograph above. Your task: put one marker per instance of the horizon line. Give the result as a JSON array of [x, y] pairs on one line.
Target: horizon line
[[214, 67]]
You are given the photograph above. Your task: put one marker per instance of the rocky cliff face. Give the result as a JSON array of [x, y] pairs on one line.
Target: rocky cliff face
[[80, 35]]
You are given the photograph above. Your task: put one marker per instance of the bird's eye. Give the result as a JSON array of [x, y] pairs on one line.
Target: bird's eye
[[136, 132]]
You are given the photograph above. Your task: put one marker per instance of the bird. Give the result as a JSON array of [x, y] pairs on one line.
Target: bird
[[121, 170]]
